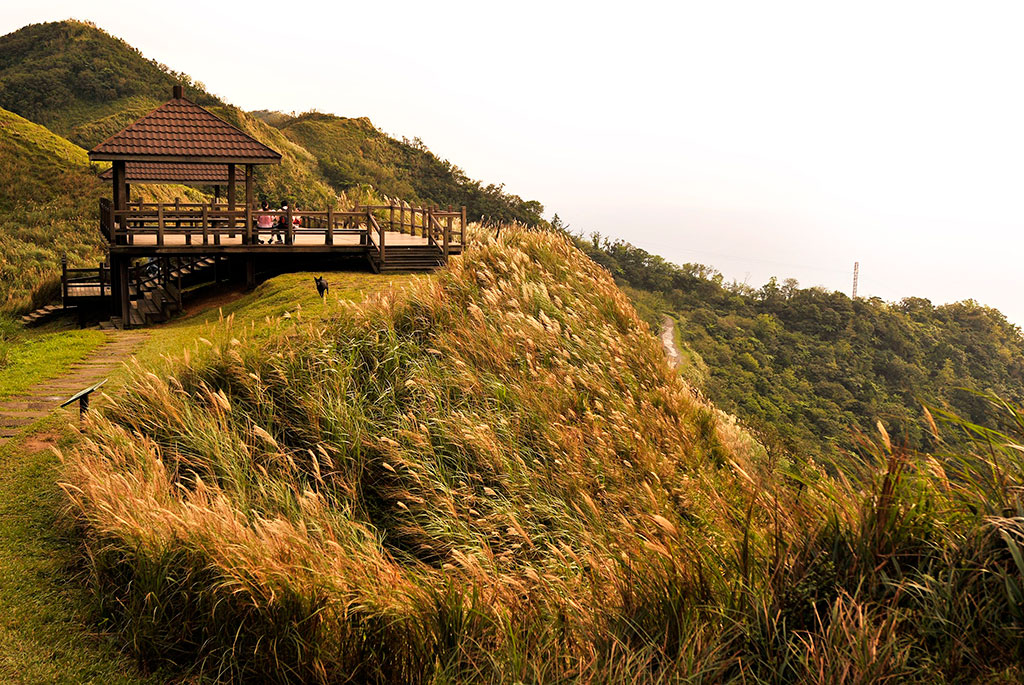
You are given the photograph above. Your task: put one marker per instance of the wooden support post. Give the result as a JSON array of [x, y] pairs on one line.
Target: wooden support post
[[102, 281], [206, 226], [329, 237], [447, 237], [248, 204], [462, 228], [391, 218], [120, 201], [127, 193], [125, 304], [289, 229], [160, 225], [250, 272], [64, 278], [232, 194]]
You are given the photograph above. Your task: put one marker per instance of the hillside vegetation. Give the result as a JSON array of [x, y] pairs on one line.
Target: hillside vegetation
[[351, 152], [807, 367], [493, 475], [67, 74], [48, 195]]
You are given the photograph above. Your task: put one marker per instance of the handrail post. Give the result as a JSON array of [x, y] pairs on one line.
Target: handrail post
[[329, 237], [391, 217], [206, 225], [447, 237], [462, 228], [63, 278], [248, 224], [380, 233], [289, 229], [160, 225]]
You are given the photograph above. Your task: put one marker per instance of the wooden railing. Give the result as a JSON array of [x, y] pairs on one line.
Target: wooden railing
[[213, 223], [89, 278], [418, 220]]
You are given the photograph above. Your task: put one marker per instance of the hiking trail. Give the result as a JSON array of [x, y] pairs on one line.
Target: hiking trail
[[26, 408]]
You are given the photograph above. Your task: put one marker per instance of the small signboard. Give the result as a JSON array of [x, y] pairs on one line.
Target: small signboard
[[82, 397]]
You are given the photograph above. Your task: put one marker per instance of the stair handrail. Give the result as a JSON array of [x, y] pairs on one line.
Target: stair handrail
[[446, 235], [371, 223]]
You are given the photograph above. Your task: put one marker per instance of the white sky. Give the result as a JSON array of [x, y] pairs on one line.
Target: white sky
[[783, 138]]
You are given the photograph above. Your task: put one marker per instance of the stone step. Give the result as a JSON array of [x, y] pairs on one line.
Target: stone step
[[20, 421]]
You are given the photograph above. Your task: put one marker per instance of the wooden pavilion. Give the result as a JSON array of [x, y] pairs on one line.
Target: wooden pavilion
[[183, 143]]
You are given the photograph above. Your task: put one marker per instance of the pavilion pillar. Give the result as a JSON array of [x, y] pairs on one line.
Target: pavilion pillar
[[216, 193], [127, 193], [123, 295], [120, 194], [248, 202], [232, 189]]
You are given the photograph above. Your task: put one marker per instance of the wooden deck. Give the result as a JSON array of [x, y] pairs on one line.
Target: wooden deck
[[156, 251]]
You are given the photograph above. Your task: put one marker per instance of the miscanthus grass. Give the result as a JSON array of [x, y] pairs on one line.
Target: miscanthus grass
[[493, 475]]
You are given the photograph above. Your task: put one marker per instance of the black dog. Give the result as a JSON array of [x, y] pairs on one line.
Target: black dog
[[321, 285]]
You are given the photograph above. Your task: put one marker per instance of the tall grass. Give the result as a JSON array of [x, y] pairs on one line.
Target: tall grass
[[493, 475]]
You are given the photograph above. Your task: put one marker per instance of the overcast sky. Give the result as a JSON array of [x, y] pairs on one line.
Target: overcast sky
[[784, 138]]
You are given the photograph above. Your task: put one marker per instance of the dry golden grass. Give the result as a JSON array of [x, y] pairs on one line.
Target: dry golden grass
[[488, 475]]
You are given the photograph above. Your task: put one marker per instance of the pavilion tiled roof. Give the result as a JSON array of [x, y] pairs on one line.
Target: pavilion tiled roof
[[181, 131], [165, 172]]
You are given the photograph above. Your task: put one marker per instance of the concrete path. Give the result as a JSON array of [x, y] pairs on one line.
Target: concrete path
[[668, 340], [22, 410]]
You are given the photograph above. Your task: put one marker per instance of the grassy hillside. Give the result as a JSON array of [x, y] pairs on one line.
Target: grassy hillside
[[807, 367], [48, 196], [66, 74], [492, 475], [351, 152], [374, 492]]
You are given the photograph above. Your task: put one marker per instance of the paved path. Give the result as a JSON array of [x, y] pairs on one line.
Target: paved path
[[22, 410], [668, 340]]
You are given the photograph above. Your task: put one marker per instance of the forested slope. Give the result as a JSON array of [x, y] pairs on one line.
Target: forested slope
[[806, 366]]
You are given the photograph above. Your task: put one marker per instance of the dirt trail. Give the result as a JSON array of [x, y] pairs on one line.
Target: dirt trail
[[22, 410], [668, 340]]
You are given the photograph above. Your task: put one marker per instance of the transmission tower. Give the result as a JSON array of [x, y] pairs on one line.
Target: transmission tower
[[856, 273]]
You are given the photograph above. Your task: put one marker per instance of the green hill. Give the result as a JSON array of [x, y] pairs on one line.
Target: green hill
[[351, 152], [48, 194], [806, 366], [67, 75]]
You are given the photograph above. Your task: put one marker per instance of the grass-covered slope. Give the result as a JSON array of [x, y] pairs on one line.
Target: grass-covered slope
[[437, 478], [66, 74], [351, 152], [807, 367], [493, 475], [48, 196]]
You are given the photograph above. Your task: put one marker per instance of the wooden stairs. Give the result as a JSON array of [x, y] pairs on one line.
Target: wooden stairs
[[44, 314], [408, 258], [157, 302]]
